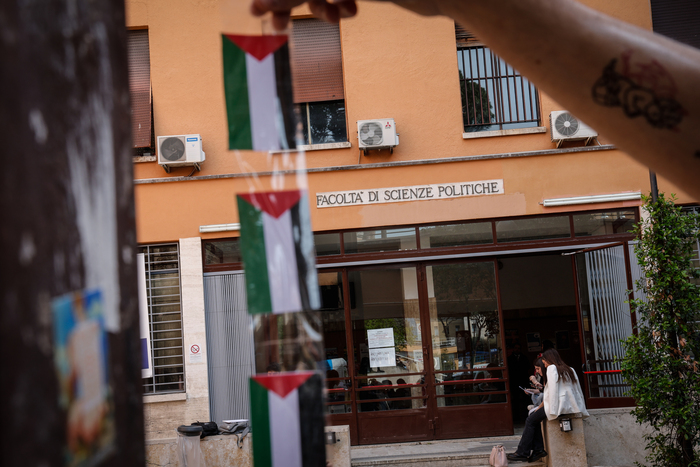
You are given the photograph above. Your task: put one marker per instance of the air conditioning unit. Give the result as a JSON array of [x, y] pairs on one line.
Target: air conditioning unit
[[179, 150], [566, 127], [377, 134]]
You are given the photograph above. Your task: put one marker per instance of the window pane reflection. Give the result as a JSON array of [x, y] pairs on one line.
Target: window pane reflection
[[465, 331], [327, 244], [603, 223], [370, 241], [385, 311], [440, 236], [537, 228], [336, 350], [228, 251]]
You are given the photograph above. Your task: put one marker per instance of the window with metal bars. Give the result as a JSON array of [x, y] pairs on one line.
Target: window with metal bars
[[317, 74], [165, 318], [494, 95]]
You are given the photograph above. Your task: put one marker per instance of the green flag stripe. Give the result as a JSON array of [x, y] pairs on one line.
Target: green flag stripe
[[257, 280], [236, 91], [260, 418]]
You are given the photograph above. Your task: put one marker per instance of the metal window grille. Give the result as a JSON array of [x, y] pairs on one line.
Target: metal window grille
[[165, 318], [494, 95], [696, 243]]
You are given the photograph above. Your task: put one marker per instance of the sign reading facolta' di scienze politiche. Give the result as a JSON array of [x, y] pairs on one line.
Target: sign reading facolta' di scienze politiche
[[409, 193]]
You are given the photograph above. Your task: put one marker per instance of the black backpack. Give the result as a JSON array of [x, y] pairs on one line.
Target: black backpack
[[208, 428]]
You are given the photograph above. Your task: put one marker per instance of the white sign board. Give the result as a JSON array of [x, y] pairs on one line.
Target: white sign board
[[399, 194], [146, 360], [380, 338], [195, 353], [382, 357]]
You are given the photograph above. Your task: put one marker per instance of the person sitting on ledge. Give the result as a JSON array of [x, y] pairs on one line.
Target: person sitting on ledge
[[562, 395]]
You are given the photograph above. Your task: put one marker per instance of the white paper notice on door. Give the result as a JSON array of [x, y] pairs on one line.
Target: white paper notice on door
[[382, 357], [380, 338]]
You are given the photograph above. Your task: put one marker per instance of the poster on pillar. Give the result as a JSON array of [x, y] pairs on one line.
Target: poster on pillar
[[85, 389]]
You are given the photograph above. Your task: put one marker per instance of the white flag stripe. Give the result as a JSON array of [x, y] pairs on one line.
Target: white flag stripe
[[282, 272], [285, 430], [262, 101]]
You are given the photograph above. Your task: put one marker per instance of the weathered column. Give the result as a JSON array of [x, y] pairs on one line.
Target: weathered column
[[565, 448], [66, 199]]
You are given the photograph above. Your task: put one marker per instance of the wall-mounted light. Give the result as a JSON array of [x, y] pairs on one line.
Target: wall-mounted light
[[592, 199], [219, 228]]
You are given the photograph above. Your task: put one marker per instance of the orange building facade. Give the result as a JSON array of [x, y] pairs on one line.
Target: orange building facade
[[461, 240]]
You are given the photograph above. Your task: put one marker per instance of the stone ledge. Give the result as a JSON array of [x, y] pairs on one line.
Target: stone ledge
[[512, 132], [180, 396]]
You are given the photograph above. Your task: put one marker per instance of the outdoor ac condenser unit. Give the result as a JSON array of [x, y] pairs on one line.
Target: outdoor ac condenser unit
[[566, 127], [179, 150], [377, 134]]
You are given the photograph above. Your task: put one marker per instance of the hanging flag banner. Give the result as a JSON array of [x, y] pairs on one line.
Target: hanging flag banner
[[277, 245], [287, 420], [258, 92]]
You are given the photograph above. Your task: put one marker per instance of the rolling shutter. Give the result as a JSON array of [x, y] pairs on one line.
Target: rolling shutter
[[317, 68], [140, 87]]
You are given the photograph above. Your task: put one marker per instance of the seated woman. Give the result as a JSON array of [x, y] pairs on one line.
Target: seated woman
[[562, 395], [537, 381]]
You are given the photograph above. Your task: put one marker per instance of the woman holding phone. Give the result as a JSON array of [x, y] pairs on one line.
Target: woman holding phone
[[562, 395]]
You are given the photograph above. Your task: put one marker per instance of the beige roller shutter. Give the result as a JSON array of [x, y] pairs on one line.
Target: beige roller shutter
[[317, 67], [140, 88]]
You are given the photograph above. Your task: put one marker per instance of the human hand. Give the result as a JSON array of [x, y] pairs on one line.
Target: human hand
[[331, 11]]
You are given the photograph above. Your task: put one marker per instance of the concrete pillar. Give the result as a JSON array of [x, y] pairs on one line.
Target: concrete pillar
[[565, 448], [193, 321]]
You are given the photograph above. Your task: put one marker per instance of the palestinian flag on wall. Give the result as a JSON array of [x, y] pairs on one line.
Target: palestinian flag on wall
[[277, 245], [258, 88], [287, 420]]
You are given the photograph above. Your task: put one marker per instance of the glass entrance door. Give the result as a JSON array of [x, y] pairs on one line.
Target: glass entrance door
[[604, 277], [389, 374], [468, 383]]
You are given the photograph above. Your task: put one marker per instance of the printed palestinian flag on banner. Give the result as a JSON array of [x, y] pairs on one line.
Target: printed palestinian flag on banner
[[287, 420], [277, 245], [258, 88]]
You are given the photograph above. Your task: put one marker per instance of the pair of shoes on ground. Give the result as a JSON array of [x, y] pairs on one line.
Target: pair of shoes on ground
[[535, 456]]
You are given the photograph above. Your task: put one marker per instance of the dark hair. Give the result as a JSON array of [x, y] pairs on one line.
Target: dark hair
[[543, 370], [564, 370], [274, 366]]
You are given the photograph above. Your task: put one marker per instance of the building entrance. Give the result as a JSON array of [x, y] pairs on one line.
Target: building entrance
[[426, 356], [538, 297]]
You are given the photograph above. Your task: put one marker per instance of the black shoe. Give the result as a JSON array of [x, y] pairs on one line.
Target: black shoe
[[537, 456], [515, 457]]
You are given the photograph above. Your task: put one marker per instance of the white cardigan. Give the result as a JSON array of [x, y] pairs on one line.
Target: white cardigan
[[562, 397]]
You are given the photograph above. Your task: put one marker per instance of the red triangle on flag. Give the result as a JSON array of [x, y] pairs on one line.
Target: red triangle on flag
[[283, 383], [275, 203], [258, 46]]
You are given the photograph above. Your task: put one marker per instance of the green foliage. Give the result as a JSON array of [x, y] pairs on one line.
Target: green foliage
[[476, 105], [660, 363]]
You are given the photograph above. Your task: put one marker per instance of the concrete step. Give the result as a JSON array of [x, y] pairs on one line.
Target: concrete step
[[474, 460], [445, 453]]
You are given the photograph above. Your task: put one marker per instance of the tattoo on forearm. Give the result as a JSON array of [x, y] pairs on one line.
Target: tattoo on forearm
[[645, 89]]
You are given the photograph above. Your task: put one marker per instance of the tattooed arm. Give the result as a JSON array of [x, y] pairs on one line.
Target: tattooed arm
[[639, 89]]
